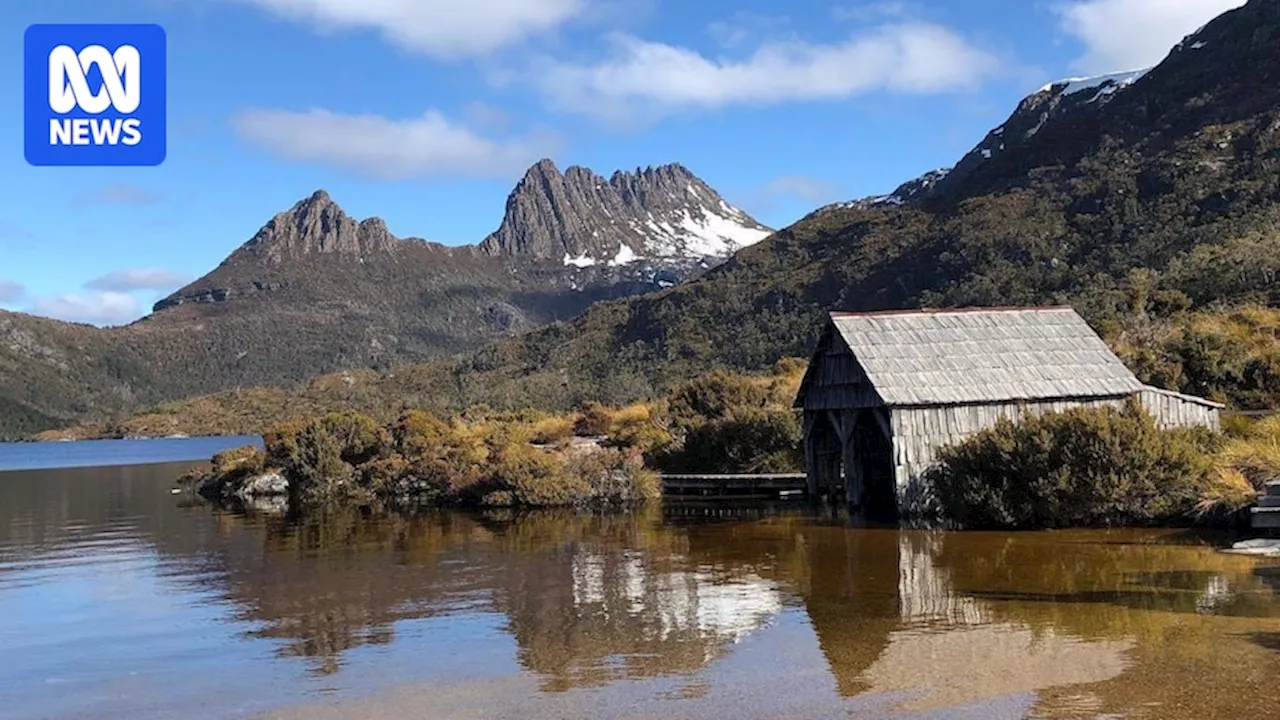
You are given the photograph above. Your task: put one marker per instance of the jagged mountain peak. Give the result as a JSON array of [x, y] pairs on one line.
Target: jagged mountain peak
[[661, 212], [316, 225]]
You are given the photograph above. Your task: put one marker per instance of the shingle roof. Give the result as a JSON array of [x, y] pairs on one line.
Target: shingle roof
[[983, 355]]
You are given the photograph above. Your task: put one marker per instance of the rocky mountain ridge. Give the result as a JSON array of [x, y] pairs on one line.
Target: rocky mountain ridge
[[581, 219], [1054, 100], [656, 226], [315, 290]]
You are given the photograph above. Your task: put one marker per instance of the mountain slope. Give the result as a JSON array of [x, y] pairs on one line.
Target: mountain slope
[[315, 291], [1173, 175]]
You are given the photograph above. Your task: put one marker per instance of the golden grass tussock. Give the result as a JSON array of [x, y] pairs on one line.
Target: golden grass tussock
[[1226, 490]]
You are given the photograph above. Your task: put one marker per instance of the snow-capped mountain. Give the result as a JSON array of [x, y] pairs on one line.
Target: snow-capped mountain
[[659, 215], [1053, 100]]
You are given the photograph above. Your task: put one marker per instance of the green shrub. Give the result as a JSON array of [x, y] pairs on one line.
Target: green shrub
[[321, 457], [751, 441], [1082, 467], [715, 396], [229, 470]]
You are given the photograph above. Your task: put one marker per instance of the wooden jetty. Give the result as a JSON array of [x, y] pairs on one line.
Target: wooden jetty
[[773, 486], [1266, 514]]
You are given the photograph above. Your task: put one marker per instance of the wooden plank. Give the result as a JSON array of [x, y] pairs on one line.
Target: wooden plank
[[707, 485], [1266, 518], [713, 476]]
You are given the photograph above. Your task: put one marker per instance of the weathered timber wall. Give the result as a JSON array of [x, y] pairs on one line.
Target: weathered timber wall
[[1173, 410]]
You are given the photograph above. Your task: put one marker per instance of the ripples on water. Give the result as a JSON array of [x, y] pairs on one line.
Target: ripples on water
[[118, 599]]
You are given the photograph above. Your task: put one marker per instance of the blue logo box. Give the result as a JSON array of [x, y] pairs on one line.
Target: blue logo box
[[94, 95]]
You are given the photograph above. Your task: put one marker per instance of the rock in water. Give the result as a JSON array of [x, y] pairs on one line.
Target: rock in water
[[265, 485]]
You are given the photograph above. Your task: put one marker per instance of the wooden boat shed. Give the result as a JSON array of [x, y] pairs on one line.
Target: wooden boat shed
[[885, 391]]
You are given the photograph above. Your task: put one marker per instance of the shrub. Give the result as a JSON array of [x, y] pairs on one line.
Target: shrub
[[228, 473], [416, 432], [1082, 467], [715, 396], [247, 460], [756, 441], [320, 457], [615, 476], [386, 476], [593, 421], [551, 431], [640, 427], [533, 477]]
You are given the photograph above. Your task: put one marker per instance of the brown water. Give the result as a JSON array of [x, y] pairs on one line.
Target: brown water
[[119, 601]]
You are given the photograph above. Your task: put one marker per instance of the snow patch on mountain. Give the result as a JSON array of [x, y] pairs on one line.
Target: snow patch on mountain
[[686, 234], [581, 261], [625, 255], [1115, 81]]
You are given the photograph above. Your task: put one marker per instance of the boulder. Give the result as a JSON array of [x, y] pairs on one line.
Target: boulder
[[268, 484]]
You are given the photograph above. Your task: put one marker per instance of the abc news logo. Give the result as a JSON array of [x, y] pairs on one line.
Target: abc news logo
[[95, 95], [69, 89]]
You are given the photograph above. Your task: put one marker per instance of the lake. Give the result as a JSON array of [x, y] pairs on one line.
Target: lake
[[119, 599], [102, 453]]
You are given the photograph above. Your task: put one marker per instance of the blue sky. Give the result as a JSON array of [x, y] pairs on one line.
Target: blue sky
[[426, 112]]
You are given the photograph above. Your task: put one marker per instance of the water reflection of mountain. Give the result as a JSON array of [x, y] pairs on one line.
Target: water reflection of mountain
[[915, 620], [589, 598], [592, 614]]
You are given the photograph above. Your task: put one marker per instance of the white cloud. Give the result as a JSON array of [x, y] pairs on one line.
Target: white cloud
[[390, 149], [652, 79], [11, 291], [439, 28], [120, 194], [1127, 34], [95, 308], [124, 281]]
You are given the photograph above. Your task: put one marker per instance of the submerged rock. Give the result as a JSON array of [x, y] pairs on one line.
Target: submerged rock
[[267, 504]]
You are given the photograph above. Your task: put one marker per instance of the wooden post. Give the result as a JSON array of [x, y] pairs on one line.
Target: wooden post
[[810, 457], [845, 421]]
